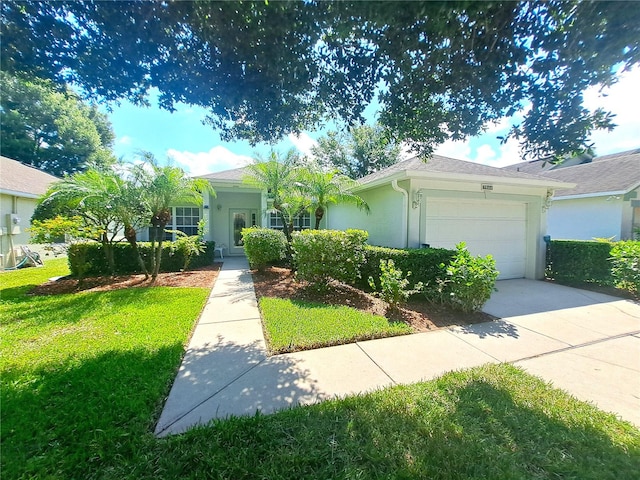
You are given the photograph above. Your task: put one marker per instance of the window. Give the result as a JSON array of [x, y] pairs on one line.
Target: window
[[301, 222], [184, 219]]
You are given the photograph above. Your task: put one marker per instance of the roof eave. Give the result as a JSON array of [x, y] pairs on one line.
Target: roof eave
[[599, 194], [533, 182], [17, 193]]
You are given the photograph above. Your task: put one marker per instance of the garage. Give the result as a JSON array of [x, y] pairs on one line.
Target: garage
[[487, 227]]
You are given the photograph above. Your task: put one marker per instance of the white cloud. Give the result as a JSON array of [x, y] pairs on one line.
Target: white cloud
[[623, 100], [125, 140], [506, 154], [455, 149], [303, 143], [487, 153], [217, 159]]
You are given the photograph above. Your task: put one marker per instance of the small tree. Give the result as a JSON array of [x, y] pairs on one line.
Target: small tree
[[280, 178], [393, 284], [469, 281], [322, 189], [162, 187], [189, 245], [94, 196]]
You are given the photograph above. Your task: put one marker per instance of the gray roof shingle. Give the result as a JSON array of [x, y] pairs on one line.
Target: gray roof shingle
[[234, 175], [16, 177], [440, 164], [617, 172]]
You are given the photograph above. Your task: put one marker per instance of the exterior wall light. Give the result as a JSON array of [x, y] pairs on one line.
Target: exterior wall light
[[417, 199]]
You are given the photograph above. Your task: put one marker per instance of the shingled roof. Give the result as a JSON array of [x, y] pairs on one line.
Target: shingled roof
[[607, 175], [22, 180], [444, 165], [234, 175]]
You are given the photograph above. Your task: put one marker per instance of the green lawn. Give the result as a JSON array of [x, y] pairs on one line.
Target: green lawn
[[84, 374], [292, 325], [84, 377]]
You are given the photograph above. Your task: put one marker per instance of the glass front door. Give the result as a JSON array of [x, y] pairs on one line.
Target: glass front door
[[239, 220]]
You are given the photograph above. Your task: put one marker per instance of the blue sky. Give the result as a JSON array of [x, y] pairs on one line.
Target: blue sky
[[198, 149]]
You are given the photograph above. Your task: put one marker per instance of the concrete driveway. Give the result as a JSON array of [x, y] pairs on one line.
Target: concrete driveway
[[598, 340]]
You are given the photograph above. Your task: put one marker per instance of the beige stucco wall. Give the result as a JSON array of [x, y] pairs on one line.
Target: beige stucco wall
[[386, 224]]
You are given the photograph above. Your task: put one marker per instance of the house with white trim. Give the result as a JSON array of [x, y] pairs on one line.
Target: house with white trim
[[20, 188], [415, 204], [605, 201]]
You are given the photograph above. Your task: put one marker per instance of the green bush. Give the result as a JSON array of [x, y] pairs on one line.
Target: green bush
[[393, 284], [625, 265], [321, 255], [469, 280], [91, 256], [424, 263], [577, 261], [263, 246]]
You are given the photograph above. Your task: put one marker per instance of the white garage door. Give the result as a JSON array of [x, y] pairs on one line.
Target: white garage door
[[496, 228]]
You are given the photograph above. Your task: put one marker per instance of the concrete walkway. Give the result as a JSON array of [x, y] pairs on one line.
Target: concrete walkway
[[584, 342]]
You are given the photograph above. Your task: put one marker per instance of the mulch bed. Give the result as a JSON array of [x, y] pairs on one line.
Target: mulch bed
[[281, 283], [421, 315], [201, 277]]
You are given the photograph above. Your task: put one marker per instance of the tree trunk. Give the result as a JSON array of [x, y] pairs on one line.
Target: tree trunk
[[319, 214], [131, 236], [286, 229], [160, 220], [108, 253], [158, 253]]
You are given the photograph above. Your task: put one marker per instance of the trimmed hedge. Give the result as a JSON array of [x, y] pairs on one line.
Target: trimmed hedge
[[423, 263], [127, 263], [321, 255], [263, 246], [579, 261]]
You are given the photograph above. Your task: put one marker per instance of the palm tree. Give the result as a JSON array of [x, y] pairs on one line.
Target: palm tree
[[132, 211], [326, 188], [280, 178], [164, 187], [95, 196]]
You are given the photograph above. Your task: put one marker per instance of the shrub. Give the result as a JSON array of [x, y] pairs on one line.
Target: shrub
[[393, 284], [188, 246], [90, 255], [424, 263], [578, 261], [625, 265], [263, 246], [321, 255], [469, 280]]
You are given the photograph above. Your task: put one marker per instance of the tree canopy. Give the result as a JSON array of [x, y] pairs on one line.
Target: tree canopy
[[359, 151], [51, 130], [263, 69]]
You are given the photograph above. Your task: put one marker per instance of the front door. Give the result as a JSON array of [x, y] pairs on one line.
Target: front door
[[239, 220]]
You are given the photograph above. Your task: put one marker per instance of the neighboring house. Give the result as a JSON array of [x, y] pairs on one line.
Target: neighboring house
[[20, 188], [416, 204], [605, 203]]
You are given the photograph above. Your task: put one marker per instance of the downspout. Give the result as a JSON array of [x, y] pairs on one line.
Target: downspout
[[405, 208]]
